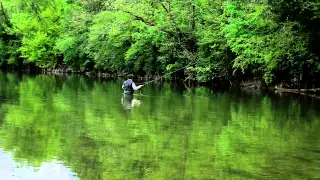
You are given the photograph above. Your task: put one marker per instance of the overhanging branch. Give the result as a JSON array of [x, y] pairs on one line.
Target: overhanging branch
[[139, 18]]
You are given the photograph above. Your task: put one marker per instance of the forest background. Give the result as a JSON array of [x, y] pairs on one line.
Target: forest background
[[219, 41]]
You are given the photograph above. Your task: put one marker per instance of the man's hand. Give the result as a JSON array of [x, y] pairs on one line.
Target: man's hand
[[140, 86]]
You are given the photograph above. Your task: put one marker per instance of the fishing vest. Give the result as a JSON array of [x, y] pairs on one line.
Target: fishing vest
[[127, 87]]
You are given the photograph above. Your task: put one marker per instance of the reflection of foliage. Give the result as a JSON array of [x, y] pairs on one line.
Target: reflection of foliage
[[196, 136], [260, 140]]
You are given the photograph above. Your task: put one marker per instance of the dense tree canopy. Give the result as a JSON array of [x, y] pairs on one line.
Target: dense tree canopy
[[217, 39]]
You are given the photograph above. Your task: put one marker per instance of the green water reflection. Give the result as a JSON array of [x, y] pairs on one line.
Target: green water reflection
[[165, 133]]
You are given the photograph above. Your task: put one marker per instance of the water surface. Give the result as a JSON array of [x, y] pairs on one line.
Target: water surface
[[54, 127]]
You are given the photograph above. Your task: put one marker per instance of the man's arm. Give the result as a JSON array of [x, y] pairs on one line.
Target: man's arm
[[134, 87]]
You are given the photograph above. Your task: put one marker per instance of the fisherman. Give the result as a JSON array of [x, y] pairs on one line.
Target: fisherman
[[129, 86]]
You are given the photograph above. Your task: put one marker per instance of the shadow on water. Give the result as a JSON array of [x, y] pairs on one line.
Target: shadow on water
[[311, 150], [242, 174], [303, 159]]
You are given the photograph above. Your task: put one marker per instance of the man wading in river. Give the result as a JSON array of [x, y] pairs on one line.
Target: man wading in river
[[129, 87]]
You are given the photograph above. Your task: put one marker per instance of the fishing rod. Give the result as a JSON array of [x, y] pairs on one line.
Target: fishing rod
[[148, 82]]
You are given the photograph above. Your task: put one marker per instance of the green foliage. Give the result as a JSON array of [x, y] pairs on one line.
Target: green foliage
[[273, 40], [8, 41], [109, 40], [37, 23], [214, 53], [261, 43], [73, 42]]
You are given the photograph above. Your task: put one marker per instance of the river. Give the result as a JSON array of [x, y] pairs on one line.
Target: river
[[75, 127]]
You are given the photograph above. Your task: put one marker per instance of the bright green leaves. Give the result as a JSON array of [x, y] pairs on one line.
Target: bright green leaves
[[214, 55], [260, 39], [245, 33], [37, 50], [38, 26], [138, 36], [109, 39], [72, 43], [263, 45]]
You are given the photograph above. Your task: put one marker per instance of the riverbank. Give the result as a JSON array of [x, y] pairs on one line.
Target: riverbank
[[247, 85], [98, 74]]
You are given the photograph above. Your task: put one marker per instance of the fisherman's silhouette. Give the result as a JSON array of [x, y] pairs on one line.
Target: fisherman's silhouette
[[128, 99]]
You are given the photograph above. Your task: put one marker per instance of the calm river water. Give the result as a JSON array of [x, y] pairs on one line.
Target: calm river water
[[62, 128]]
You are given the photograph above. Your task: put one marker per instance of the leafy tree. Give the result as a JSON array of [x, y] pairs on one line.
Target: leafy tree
[[9, 42], [221, 41], [38, 25], [72, 44], [262, 45]]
